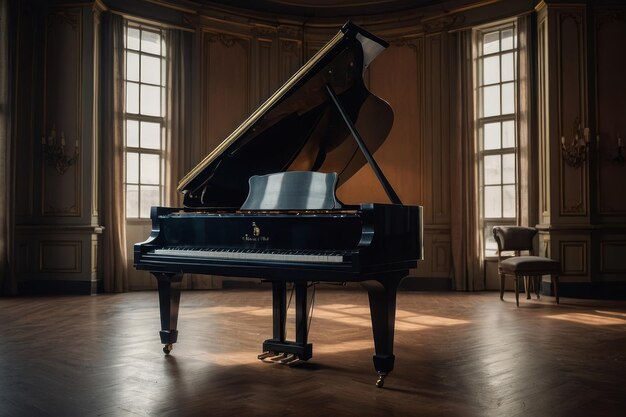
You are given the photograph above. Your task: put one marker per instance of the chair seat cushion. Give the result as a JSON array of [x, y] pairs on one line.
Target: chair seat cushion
[[530, 264]]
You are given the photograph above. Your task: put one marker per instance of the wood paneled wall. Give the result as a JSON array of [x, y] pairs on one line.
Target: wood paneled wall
[[240, 59], [56, 242], [583, 214]]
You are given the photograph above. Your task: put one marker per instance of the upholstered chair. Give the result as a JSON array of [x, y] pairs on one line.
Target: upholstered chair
[[518, 240]]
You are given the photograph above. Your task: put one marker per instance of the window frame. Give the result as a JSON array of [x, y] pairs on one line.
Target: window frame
[[140, 118], [489, 250]]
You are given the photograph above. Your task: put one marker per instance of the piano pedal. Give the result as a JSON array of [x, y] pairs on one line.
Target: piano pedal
[[290, 357], [274, 357], [295, 361], [265, 355]]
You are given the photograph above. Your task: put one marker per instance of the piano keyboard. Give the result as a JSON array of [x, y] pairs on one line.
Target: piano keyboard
[[256, 254]]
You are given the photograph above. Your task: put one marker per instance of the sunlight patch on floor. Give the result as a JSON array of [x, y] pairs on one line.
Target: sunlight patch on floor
[[591, 319]]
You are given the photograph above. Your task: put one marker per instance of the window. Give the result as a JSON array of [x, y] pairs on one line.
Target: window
[[144, 118], [497, 127]]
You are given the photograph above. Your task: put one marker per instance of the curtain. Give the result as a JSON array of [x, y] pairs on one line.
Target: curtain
[[7, 283], [467, 259], [112, 146], [528, 205], [183, 153], [180, 158]]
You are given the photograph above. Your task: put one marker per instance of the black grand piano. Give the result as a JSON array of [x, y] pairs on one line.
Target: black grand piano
[[263, 204]]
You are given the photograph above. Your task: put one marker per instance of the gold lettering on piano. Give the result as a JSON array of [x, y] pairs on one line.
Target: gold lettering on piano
[[256, 235]]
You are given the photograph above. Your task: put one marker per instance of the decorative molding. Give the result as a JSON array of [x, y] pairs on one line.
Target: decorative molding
[[444, 23], [575, 209], [264, 31], [94, 256], [73, 247], [59, 228], [292, 32], [571, 88], [577, 17], [620, 248], [405, 43], [290, 46], [441, 257], [74, 20], [227, 40], [610, 15], [570, 253], [64, 16]]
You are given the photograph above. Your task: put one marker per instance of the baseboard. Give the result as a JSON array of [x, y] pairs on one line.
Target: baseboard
[[59, 287], [594, 290]]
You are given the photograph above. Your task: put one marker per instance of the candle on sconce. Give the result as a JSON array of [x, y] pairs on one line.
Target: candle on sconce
[[62, 138], [586, 133], [562, 140]]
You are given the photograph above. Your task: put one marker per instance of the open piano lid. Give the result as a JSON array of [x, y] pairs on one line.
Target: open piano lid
[[298, 128]]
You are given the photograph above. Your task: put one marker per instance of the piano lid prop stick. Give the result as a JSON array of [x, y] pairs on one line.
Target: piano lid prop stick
[[393, 197]]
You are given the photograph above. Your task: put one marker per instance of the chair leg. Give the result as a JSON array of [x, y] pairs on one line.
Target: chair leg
[[516, 291], [537, 285], [555, 283], [502, 287], [527, 286]]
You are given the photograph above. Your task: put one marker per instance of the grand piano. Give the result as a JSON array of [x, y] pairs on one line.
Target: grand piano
[[263, 205]]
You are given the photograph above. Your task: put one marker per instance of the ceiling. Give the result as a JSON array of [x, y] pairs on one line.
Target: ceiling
[[325, 8]]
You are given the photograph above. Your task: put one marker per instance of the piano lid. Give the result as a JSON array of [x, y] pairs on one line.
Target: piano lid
[[298, 128]]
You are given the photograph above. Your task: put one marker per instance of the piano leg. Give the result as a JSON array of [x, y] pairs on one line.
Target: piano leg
[[382, 297], [169, 300], [279, 310]]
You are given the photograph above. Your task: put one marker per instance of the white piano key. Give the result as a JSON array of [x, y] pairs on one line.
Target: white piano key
[[270, 255]]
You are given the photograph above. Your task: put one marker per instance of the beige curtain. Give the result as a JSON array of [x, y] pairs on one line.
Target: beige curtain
[[179, 144], [467, 256], [113, 197], [183, 153], [7, 281], [528, 205]]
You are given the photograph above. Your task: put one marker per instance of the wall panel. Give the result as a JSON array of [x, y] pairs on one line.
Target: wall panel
[[610, 33], [572, 107], [61, 192]]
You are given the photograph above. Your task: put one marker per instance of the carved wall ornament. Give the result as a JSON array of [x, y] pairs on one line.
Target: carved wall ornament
[[290, 47], [290, 32], [263, 31], [65, 17], [444, 23], [610, 15], [227, 40], [576, 17], [404, 43]]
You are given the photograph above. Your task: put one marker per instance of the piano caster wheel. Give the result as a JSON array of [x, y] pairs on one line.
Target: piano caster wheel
[[381, 380], [168, 348]]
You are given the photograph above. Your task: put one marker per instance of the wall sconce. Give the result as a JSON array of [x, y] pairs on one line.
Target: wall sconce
[[575, 152], [54, 151]]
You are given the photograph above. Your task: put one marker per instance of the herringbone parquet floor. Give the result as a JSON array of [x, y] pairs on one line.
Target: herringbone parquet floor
[[456, 355]]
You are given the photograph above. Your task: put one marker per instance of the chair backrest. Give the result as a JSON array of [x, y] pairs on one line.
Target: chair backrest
[[514, 238]]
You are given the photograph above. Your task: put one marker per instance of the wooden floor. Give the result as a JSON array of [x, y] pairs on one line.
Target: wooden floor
[[456, 355]]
